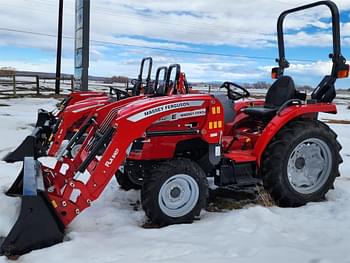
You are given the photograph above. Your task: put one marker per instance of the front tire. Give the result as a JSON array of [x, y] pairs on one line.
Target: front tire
[[174, 192], [125, 182], [301, 163]]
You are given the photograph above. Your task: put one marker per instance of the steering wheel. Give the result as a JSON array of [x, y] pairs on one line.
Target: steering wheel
[[119, 93], [235, 91], [136, 87]]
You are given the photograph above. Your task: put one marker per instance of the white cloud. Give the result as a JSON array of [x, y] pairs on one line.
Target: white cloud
[[168, 24], [304, 39], [237, 23], [319, 68]]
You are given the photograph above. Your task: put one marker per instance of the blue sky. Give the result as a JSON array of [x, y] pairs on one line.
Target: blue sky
[[224, 27]]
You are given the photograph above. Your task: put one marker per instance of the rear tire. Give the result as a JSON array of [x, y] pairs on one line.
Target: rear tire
[[301, 163], [174, 192]]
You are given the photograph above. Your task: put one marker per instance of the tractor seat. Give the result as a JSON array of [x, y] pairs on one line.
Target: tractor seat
[[228, 106], [281, 91], [161, 88], [261, 112]]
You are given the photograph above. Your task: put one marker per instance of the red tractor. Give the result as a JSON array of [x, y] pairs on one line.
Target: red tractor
[[170, 143], [52, 128]]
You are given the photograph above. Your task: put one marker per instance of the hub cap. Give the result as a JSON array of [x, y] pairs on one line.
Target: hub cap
[[178, 195], [309, 166]]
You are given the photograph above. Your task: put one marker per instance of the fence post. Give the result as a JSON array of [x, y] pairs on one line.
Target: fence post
[[37, 85], [72, 83], [14, 86]]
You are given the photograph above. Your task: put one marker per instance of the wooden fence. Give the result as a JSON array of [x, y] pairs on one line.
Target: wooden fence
[[14, 83]]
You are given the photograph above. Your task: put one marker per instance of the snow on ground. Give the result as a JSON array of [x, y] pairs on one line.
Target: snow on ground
[[110, 231]]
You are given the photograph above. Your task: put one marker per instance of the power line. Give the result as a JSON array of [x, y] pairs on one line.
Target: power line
[[153, 48]]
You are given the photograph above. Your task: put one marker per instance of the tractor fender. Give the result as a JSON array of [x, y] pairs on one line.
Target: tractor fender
[[287, 115]]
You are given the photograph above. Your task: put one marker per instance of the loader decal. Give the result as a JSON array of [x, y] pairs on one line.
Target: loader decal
[[164, 108], [110, 161], [183, 115]]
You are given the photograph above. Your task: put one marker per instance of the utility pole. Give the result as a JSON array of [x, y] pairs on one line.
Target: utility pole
[[82, 43], [59, 47]]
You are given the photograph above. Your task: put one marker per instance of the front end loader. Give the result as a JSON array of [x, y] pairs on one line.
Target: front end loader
[[38, 142], [54, 199]]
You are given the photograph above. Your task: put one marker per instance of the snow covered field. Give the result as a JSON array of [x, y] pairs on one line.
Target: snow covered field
[[111, 230]]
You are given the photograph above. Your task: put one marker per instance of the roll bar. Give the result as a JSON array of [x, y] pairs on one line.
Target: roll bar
[[172, 67], [150, 65], [337, 58], [165, 75]]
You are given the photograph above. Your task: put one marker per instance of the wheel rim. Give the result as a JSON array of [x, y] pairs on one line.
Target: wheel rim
[[309, 166], [178, 195]]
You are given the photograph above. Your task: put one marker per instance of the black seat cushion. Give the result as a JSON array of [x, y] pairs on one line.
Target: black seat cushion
[[228, 106], [281, 91], [260, 112]]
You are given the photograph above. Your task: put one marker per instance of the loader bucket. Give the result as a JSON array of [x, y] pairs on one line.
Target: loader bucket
[[34, 145], [43, 117], [16, 189], [26, 148], [37, 225]]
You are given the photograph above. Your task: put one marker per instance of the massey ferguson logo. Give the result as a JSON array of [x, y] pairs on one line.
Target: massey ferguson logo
[[165, 108], [111, 160]]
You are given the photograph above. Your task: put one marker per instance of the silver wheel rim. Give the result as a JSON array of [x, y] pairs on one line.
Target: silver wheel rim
[[178, 195], [309, 166]]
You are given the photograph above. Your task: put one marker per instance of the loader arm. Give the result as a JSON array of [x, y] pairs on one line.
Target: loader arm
[[74, 113], [131, 123], [69, 120]]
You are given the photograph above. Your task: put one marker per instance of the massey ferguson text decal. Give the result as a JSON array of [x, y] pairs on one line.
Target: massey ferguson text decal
[[183, 115], [164, 108]]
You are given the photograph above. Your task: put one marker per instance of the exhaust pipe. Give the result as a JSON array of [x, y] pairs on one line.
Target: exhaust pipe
[[37, 226]]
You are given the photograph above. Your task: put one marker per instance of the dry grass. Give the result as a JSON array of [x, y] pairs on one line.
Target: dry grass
[[264, 198], [225, 204], [221, 200], [7, 71], [330, 121]]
